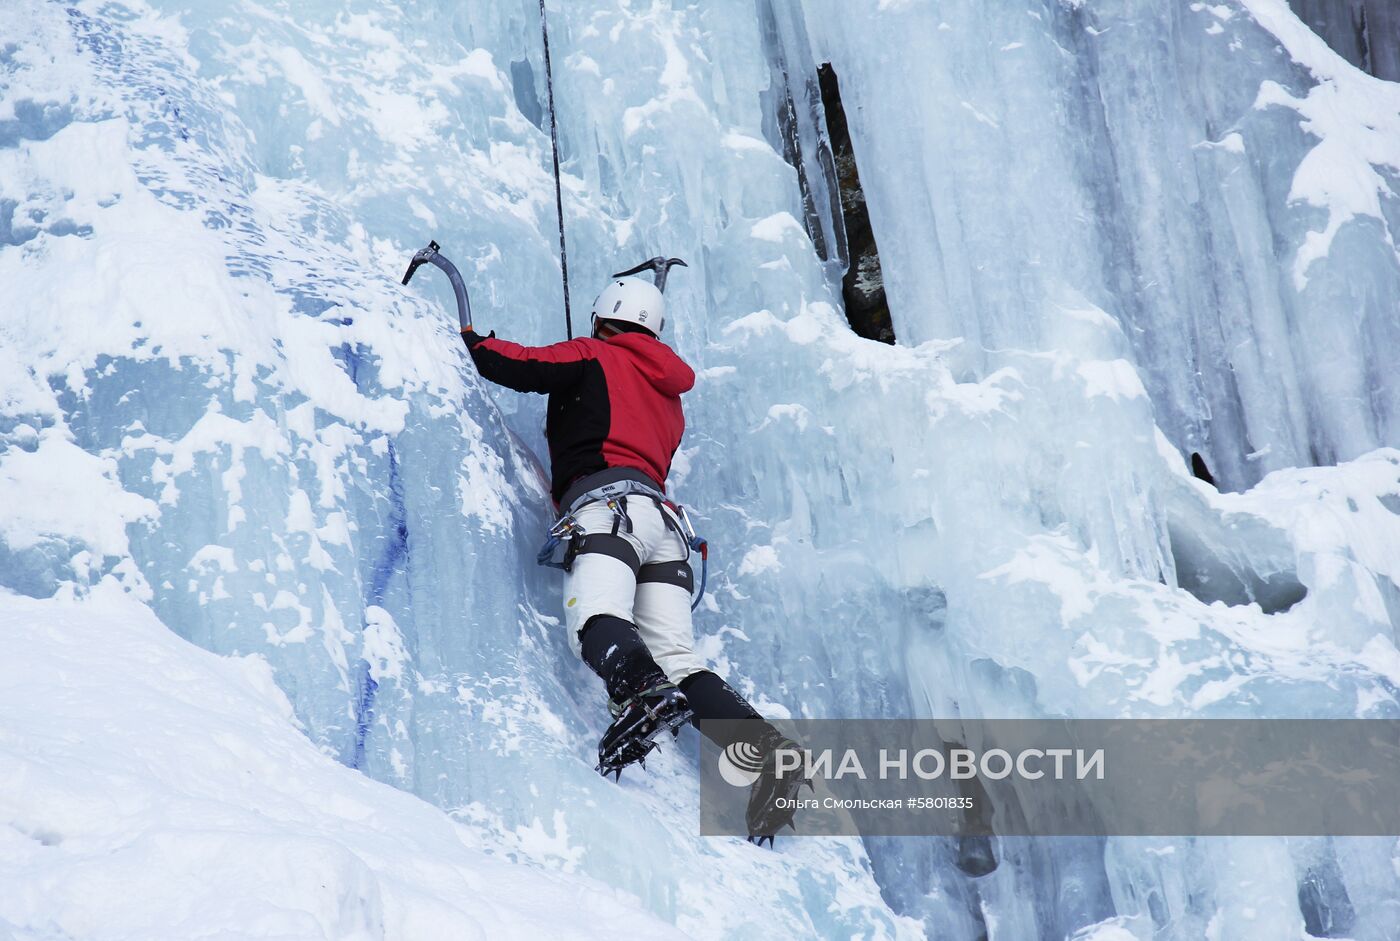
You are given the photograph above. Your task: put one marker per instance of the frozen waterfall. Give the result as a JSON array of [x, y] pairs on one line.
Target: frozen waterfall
[[1111, 236]]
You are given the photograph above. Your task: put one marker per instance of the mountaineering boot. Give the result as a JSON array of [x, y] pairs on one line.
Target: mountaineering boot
[[639, 722], [644, 704], [729, 721], [716, 701], [771, 795]]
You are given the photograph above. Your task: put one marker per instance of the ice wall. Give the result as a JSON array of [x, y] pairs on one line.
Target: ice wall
[[1148, 155], [217, 395], [1096, 221]]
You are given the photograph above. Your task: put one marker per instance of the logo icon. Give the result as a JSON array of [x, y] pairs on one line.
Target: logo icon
[[740, 763]]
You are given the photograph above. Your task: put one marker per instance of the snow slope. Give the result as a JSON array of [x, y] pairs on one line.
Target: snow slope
[[151, 790]]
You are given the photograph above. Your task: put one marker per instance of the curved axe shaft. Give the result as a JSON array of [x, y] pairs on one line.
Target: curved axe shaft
[[431, 256], [660, 267]]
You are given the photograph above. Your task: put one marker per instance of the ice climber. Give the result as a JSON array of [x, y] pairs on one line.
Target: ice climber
[[614, 422]]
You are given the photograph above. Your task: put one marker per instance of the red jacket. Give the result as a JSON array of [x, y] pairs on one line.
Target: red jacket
[[612, 403]]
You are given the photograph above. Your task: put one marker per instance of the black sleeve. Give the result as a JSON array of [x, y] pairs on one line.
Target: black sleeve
[[527, 368]]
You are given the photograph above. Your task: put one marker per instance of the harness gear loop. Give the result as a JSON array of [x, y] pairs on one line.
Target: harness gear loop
[[618, 505], [566, 527]]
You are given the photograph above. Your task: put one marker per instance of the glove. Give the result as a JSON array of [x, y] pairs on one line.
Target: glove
[[472, 338]]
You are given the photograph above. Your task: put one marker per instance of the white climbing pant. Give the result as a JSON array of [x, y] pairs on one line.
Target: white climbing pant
[[653, 595]]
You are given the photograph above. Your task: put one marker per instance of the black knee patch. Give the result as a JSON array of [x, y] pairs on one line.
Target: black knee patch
[[604, 639], [725, 717], [614, 650]]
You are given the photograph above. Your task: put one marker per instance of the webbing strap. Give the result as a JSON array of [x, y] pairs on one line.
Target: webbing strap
[[668, 573], [609, 545], [607, 485], [620, 515], [616, 708], [669, 516]]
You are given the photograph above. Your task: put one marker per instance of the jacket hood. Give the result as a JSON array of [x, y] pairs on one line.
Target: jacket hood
[[657, 362]]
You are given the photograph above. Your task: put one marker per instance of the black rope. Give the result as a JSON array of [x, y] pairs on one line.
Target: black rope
[[558, 192]]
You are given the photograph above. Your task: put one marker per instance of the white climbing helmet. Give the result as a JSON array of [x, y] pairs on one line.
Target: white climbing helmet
[[631, 300]]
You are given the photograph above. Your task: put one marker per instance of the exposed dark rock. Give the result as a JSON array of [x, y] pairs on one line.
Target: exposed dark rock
[[863, 287], [1365, 32]]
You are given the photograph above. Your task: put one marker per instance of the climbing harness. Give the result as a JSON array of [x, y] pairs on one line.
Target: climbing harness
[[558, 189], [566, 529]]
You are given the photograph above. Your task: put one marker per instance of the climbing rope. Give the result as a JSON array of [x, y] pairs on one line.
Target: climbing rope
[[558, 191]]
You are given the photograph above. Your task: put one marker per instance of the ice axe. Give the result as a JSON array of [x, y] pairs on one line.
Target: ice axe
[[660, 267], [432, 256]]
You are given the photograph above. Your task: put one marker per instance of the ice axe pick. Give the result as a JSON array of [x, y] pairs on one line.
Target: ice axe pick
[[660, 267]]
